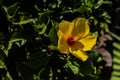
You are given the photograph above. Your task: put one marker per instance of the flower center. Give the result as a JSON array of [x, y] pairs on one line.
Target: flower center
[[70, 41]]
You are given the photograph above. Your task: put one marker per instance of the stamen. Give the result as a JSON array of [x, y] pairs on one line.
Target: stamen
[[70, 41]]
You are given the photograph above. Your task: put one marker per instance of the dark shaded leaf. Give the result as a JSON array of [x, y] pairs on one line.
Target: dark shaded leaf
[[38, 60], [53, 33]]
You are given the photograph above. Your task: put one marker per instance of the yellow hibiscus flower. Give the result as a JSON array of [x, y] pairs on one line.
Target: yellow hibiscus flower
[[75, 38]]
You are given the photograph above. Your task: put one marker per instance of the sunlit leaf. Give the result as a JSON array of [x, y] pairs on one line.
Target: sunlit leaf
[[99, 3], [74, 68], [104, 26], [114, 35], [53, 47], [44, 27], [7, 77], [23, 22]]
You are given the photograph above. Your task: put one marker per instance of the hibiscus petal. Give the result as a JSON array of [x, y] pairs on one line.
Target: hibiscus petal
[[76, 46], [66, 27], [62, 45], [89, 41], [59, 33], [80, 54], [81, 27]]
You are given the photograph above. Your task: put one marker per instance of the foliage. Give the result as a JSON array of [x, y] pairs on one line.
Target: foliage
[[28, 39], [116, 50]]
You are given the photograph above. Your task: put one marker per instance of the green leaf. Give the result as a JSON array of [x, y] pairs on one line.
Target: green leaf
[[10, 43], [88, 3], [53, 47], [23, 22], [104, 26], [115, 75], [98, 4], [11, 10], [53, 33], [16, 38], [43, 27], [114, 35], [46, 73], [43, 17], [87, 67], [95, 21], [2, 61], [106, 17], [7, 76], [82, 9], [107, 2], [73, 67], [116, 45]]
